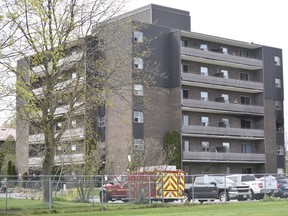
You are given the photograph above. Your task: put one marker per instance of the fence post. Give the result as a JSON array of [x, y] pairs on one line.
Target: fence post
[[6, 204], [102, 183], [50, 193], [149, 191], [162, 188]]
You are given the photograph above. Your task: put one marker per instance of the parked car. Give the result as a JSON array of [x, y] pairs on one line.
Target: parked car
[[258, 186], [283, 187], [217, 187]]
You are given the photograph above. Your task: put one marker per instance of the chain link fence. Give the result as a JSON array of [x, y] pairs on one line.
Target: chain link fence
[[135, 188]]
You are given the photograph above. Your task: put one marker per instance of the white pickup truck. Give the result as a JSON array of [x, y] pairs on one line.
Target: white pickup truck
[[259, 187]]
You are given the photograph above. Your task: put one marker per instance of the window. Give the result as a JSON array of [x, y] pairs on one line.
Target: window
[[225, 98], [185, 120], [138, 90], [185, 68], [246, 148], [185, 94], [204, 47], [138, 144], [244, 76], [74, 75], [73, 123], [277, 60], [138, 36], [280, 150], [138, 117], [278, 105], [244, 53], [245, 100], [226, 145], [225, 122], [247, 170], [280, 171], [204, 96], [186, 146], [225, 50], [101, 121], [225, 73], [73, 147], [205, 146], [204, 71], [277, 83], [279, 127], [245, 124], [184, 43], [205, 121], [58, 126], [138, 63]]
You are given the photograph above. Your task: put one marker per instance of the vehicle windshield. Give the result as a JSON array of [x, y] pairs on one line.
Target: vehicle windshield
[[221, 180]]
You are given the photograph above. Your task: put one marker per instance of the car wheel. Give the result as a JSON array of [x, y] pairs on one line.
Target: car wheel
[[104, 197], [252, 197], [223, 197]]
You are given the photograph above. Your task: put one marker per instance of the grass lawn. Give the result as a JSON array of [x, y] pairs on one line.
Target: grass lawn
[[257, 208]]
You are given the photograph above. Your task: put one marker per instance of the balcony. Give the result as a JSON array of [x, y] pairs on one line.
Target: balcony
[[192, 54], [72, 134], [66, 64], [239, 133], [218, 107], [190, 79], [223, 157], [59, 160]]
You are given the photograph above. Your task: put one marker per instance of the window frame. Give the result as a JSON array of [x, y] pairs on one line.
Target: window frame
[[205, 146], [184, 66], [138, 117], [204, 96], [138, 63], [277, 60], [138, 36], [278, 83], [280, 150], [204, 46], [204, 71], [245, 76], [138, 90], [205, 121]]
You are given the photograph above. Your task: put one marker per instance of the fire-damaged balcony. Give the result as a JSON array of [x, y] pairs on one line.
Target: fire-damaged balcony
[[223, 157], [236, 133], [221, 83], [192, 54], [219, 107]]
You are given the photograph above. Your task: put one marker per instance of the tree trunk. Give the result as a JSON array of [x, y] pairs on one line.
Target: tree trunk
[[46, 174]]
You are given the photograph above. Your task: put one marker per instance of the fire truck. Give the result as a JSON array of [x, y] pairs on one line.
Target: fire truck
[[156, 183]]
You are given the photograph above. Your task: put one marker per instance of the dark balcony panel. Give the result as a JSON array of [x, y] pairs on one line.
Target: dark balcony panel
[[235, 132], [244, 86], [223, 157], [222, 107], [241, 61]]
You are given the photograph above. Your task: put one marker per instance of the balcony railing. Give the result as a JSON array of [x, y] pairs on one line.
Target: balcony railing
[[222, 59], [58, 160], [77, 133], [223, 157], [216, 82], [220, 131], [222, 107]]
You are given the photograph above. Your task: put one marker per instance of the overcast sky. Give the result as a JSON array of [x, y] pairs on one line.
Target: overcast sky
[[259, 21]]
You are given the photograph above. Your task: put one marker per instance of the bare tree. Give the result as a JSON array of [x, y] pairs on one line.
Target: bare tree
[[63, 64]]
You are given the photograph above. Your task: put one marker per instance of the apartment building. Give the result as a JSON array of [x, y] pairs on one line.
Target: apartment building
[[225, 97]]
